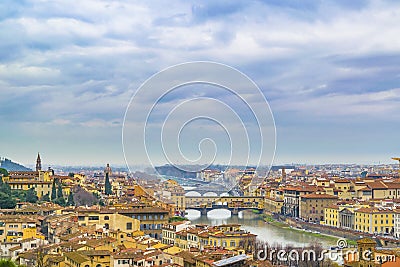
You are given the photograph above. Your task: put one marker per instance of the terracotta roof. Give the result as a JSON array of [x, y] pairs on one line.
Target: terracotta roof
[[376, 185], [319, 196], [341, 181], [77, 257], [374, 210], [393, 185]]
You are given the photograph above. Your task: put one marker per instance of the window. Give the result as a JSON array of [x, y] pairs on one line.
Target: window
[[129, 226], [93, 218], [106, 218]]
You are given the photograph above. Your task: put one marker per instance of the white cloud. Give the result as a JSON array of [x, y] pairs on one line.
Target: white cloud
[[69, 63]]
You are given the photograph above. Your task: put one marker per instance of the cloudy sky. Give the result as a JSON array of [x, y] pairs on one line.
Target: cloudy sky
[[329, 70]]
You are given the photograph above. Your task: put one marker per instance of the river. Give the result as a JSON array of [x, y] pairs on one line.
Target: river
[[256, 225]]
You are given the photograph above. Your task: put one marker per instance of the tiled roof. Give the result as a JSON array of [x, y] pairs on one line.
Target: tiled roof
[[319, 196]]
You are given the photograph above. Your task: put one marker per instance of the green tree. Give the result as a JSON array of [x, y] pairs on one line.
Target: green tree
[[71, 174], [53, 190], [45, 198], [7, 201], [70, 201], [60, 201], [4, 172], [31, 196], [107, 186], [7, 263], [59, 190], [18, 194], [4, 187]]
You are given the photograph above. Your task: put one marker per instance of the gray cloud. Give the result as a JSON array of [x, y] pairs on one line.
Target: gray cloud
[[67, 64]]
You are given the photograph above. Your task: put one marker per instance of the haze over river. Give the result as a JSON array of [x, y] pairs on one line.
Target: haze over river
[[256, 225]]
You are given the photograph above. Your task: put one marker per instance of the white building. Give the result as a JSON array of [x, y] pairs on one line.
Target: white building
[[169, 231]]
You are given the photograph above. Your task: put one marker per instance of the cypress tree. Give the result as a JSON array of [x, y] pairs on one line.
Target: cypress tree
[[53, 191], [45, 198], [70, 201], [59, 190]]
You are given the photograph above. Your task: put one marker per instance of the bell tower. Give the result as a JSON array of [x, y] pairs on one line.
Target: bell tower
[[108, 170], [38, 163]]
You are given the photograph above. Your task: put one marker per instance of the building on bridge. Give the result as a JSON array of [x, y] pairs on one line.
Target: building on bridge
[[205, 204]]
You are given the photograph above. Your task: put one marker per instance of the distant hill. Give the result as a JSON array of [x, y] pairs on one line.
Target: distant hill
[[12, 166], [171, 170]]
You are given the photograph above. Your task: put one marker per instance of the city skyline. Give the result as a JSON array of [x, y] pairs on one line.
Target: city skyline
[[329, 71]]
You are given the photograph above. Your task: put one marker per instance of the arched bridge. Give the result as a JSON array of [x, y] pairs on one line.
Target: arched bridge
[[235, 204]]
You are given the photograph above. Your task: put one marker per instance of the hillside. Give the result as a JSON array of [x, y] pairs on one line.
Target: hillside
[[12, 166]]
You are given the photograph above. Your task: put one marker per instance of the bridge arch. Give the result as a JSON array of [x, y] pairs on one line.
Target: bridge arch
[[192, 214], [210, 194], [219, 213], [193, 194]]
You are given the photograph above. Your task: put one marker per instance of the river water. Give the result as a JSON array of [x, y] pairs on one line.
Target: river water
[[256, 225]]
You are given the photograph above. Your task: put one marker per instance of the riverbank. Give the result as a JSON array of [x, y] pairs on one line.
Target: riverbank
[[284, 225], [255, 224]]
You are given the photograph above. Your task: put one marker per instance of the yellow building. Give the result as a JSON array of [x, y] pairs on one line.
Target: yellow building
[[312, 206], [331, 216], [169, 231], [109, 219], [14, 227], [230, 236], [374, 220], [321, 182], [98, 258], [181, 239], [54, 260], [342, 216], [272, 205], [41, 188]]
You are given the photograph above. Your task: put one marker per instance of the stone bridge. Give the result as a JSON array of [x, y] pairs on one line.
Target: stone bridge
[[235, 204]]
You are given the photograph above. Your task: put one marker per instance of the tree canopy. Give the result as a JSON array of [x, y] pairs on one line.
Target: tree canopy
[[7, 263], [4, 172], [7, 201], [70, 201], [31, 196], [53, 195], [45, 198], [59, 190]]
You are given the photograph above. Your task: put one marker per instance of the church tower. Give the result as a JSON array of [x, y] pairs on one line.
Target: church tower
[[38, 163], [108, 170]]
